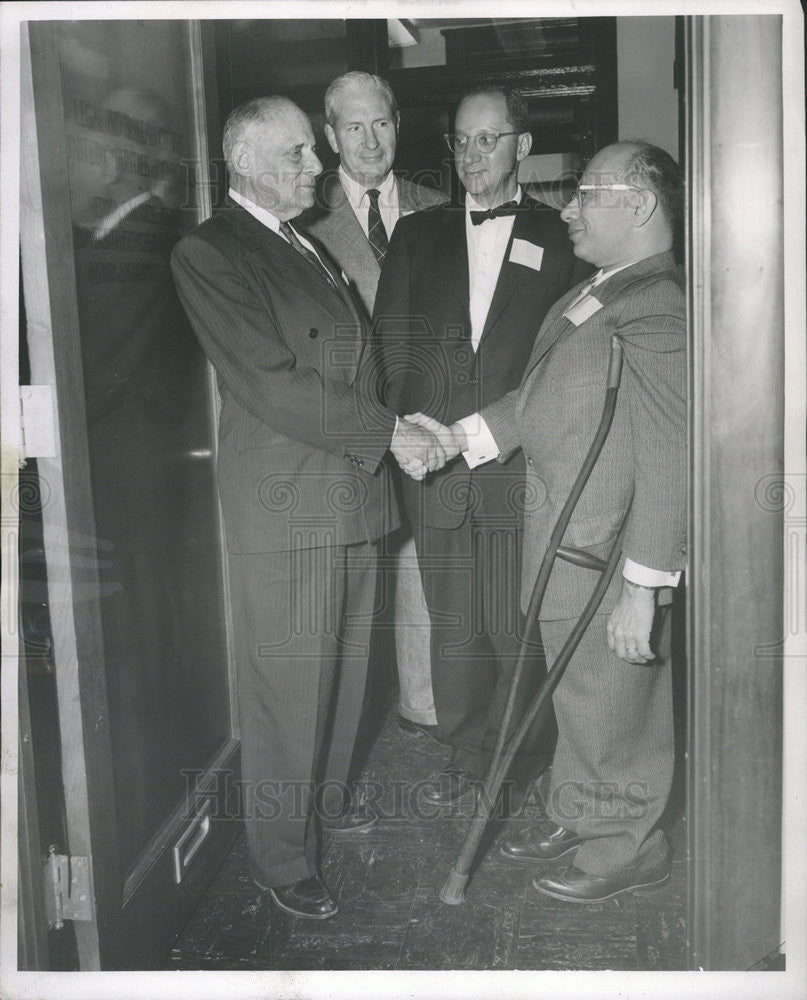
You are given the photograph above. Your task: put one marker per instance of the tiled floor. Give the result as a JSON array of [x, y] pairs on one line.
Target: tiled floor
[[388, 881]]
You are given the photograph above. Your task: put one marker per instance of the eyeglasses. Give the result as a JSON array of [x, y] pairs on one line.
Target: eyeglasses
[[485, 142], [580, 192]]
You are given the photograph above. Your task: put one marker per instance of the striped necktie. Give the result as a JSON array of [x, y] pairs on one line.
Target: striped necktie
[[309, 255], [376, 233]]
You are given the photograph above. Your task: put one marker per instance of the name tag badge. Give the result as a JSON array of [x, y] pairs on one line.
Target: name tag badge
[[583, 310], [528, 254]]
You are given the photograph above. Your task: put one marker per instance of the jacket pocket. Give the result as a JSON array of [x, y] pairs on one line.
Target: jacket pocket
[[595, 530]]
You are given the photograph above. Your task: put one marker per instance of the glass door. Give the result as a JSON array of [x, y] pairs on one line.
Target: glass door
[[115, 124]]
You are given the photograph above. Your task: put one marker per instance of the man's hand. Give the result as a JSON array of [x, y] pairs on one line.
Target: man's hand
[[453, 438], [416, 449], [630, 622]]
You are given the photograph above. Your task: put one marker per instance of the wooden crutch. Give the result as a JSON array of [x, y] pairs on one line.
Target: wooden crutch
[[453, 892]]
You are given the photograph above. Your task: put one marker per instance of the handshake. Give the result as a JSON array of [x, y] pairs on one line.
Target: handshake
[[422, 444]]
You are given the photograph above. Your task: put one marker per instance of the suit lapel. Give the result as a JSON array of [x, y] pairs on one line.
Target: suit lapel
[[557, 325], [407, 202], [612, 286], [274, 253], [343, 221], [525, 227], [452, 258]]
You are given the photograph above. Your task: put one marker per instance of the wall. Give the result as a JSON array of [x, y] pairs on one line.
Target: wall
[[648, 103]]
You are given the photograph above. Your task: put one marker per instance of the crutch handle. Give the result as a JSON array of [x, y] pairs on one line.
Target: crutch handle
[[581, 558], [615, 363]]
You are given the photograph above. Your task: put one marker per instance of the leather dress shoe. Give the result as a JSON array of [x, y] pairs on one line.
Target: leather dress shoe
[[418, 729], [450, 786], [546, 841], [357, 817], [308, 898], [576, 886]]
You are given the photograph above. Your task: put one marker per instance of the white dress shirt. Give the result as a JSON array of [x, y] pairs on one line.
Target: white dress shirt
[[272, 222], [487, 243], [359, 200]]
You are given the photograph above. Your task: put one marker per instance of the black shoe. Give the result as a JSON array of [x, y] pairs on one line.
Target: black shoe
[[450, 786], [308, 898], [356, 818], [546, 841], [575, 886], [418, 729]]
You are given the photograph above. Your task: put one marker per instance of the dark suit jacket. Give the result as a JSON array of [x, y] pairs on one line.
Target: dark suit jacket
[[423, 329], [333, 222], [300, 438], [553, 417]]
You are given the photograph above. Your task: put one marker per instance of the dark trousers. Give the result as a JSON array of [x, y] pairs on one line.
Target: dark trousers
[[471, 578], [302, 631]]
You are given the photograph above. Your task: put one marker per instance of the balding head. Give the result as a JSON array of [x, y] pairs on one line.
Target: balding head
[[627, 206], [269, 148], [261, 111], [650, 167]]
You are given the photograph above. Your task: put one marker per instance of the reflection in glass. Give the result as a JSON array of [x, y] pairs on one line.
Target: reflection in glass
[[127, 122]]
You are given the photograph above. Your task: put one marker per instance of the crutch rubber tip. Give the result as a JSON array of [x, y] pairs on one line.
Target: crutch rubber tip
[[453, 892]]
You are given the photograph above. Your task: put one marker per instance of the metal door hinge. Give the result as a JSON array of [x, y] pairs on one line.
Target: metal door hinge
[[67, 889], [37, 421]]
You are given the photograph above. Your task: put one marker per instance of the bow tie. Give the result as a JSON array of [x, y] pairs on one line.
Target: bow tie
[[508, 208]]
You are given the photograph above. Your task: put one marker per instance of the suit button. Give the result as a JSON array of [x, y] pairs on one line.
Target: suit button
[[473, 380], [530, 461], [313, 332]]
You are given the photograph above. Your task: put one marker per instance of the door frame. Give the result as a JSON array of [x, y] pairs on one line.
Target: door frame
[[742, 482]]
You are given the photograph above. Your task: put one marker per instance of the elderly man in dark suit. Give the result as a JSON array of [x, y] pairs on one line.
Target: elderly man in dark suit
[[303, 490], [462, 293], [613, 764], [356, 211]]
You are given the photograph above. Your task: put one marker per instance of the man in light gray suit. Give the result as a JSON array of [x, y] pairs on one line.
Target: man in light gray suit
[[613, 764], [356, 212]]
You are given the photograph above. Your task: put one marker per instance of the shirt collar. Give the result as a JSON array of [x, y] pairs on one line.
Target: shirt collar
[[604, 273], [261, 214], [355, 192]]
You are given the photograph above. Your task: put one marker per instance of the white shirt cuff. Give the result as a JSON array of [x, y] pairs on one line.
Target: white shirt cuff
[[646, 577], [482, 445]]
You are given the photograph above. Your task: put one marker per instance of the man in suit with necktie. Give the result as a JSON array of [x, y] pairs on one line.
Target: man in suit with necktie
[[462, 293], [613, 764], [357, 208], [304, 493]]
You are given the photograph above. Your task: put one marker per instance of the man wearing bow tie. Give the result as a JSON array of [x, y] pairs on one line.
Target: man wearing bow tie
[[462, 293]]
